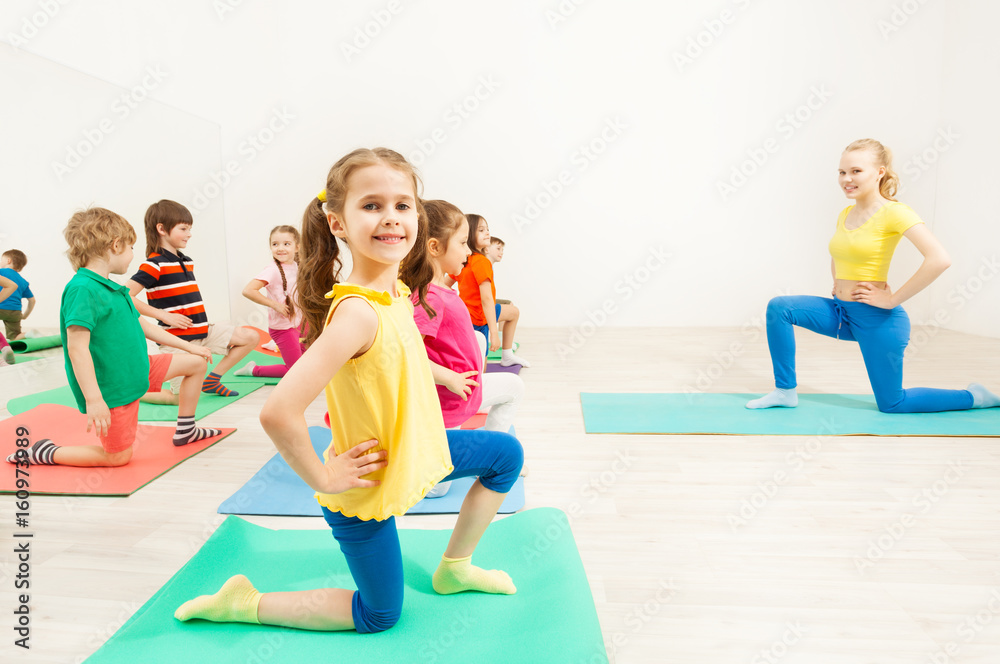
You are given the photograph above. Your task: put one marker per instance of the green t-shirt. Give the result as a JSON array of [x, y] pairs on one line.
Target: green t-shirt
[[117, 344]]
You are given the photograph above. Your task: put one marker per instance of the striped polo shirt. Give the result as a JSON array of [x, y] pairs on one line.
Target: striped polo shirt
[[170, 285]]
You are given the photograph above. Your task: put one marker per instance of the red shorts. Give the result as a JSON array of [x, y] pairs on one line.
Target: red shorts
[[125, 419]]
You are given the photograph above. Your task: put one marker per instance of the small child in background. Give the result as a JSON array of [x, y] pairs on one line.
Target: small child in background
[[476, 287], [495, 251], [174, 298], [12, 262], [284, 320], [104, 343], [452, 344]]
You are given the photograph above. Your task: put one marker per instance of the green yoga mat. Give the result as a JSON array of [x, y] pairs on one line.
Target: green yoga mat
[[495, 354], [551, 618], [816, 414], [260, 359], [38, 343], [148, 412]]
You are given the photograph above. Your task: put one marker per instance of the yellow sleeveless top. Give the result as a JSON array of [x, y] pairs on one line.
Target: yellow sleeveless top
[[864, 253], [387, 394]]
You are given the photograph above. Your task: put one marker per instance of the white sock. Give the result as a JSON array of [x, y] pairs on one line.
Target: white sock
[[508, 358], [438, 490], [983, 398], [8, 354], [780, 398], [246, 369]]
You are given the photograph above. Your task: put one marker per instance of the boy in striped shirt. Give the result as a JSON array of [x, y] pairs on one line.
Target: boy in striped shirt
[[173, 297]]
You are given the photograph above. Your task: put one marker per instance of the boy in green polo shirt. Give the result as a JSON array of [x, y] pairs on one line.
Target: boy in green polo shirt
[[104, 342]]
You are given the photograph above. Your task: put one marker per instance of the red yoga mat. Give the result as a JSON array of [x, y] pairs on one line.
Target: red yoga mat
[[264, 338], [153, 454]]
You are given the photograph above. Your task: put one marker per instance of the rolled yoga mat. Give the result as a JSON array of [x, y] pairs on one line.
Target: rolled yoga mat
[[551, 618], [816, 414], [153, 454], [275, 490], [38, 343]]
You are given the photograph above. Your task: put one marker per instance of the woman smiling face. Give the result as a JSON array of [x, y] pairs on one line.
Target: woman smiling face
[[859, 174]]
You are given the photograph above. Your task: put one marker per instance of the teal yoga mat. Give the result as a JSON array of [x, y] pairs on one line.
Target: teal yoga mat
[[37, 343], [551, 618], [207, 403], [816, 414], [275, 490]]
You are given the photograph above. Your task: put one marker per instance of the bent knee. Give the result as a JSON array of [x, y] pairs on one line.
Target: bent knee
[[119, 458], [378, 621], [244, 336]]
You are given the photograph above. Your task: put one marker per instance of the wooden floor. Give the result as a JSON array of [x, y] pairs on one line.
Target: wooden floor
[[870, 550]]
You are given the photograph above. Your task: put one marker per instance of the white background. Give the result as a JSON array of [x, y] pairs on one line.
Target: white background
[[902, 72]]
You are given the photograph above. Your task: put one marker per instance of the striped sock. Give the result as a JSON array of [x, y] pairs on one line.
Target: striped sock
[[187, 432], [42, 453], [213, 385]]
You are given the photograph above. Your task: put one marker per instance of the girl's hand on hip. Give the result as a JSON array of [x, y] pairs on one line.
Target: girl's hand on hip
[[463, 383], [344, 471], [876, 297]]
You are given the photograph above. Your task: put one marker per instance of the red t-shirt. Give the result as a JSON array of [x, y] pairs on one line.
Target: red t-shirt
[[477, 270]]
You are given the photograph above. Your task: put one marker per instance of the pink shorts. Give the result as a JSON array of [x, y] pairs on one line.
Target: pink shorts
[[125, 419]]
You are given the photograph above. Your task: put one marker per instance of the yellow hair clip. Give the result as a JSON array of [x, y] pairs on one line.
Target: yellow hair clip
[[322, 196]]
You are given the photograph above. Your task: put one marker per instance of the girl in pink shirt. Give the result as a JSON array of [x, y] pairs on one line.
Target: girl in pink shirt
[[284, 321], [455, 353]]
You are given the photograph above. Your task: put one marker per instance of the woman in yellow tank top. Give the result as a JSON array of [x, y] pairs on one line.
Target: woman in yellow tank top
[[863, 307], [389, 444]]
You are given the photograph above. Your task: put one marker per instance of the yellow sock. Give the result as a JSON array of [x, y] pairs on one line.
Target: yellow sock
[[455, 575], [236, 601]]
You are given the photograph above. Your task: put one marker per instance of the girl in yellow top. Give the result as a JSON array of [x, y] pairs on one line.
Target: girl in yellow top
[[863, 308], [389, 443]]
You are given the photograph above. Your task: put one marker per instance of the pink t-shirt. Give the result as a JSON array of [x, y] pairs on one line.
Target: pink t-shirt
[[451, 342], [272, 278]]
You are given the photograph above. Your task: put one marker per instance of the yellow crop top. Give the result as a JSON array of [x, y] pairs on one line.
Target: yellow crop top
[[863, 254], [387, 394]]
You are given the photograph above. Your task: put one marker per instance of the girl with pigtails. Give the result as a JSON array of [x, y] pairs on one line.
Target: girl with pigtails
[[863, 307], [284, 320], [389, 445]]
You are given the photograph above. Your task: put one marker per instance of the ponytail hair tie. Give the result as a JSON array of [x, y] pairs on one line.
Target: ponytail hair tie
[[322, 196]]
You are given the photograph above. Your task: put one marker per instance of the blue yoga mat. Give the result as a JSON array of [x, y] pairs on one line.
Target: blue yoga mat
[[277, 491], [816, 414]]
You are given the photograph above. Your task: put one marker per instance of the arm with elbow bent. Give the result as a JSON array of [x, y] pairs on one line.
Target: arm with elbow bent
[[936, 261], [461, 384], [7, 288], [350, 332], [170, 320], [252, 292], [490, 312]]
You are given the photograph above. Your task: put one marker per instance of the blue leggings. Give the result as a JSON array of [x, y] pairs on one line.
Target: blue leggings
[[372, 547], [882, 335]]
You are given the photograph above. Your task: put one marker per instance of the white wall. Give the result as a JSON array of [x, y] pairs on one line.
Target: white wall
[[967, 297], [71, 141], [555, 86]]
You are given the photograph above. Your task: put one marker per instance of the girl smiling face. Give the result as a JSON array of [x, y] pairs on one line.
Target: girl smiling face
[[859, 174]]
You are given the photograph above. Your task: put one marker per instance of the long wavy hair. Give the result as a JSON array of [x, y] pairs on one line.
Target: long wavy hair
[[439, 220]]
